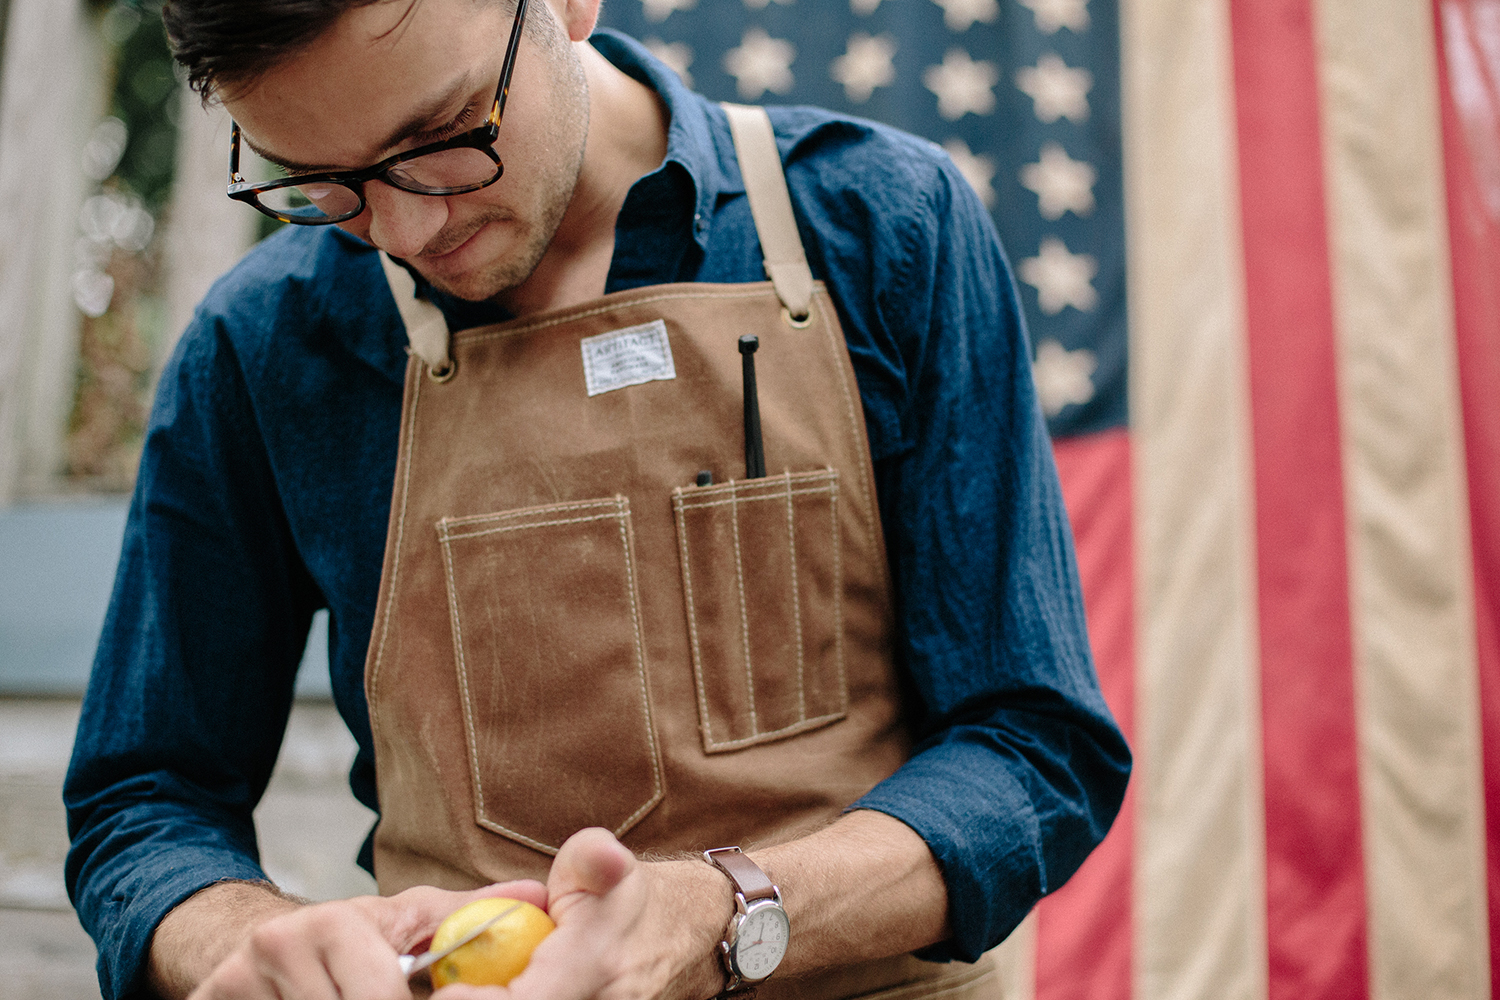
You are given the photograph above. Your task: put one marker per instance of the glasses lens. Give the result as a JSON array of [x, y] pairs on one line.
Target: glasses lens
[[312, 202], [450, 171]]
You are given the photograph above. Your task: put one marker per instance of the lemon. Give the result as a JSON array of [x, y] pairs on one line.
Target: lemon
[[498, 955]]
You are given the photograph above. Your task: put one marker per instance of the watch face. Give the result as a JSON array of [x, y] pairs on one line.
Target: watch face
[[760, 942]]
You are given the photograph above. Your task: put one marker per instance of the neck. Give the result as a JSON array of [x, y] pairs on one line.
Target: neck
[[627, 138]]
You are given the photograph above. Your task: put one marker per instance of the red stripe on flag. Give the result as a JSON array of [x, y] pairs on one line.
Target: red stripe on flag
[[1471, 148], [1315, 897], [1083, 929]]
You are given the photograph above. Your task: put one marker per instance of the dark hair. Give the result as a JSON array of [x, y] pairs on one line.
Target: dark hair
[[233, 41]]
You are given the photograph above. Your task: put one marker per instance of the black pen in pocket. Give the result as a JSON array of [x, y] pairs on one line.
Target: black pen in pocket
[[755, 455]]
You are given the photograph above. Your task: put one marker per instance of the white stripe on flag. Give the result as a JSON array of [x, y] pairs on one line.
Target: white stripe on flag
[[1406, 498], [1200, 866]]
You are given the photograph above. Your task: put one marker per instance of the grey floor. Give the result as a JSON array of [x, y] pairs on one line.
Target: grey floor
[[309, 825]]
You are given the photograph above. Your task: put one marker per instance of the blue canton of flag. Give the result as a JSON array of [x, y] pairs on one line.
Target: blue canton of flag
[[1024, 96]]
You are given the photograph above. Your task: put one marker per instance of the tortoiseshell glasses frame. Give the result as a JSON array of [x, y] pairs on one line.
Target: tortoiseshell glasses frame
[[458, 165]]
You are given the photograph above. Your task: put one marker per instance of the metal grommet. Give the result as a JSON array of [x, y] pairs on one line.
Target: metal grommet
[[796, 322], [444, 373]]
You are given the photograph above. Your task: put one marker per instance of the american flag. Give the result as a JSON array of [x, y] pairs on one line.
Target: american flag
[[1258, 245]]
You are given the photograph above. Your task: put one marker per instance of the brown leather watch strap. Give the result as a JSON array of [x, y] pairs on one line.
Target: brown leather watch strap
[[748, 879]]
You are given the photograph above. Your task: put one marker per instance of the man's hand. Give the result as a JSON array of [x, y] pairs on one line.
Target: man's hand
[[626, 929], [242, 941], [862, 888]]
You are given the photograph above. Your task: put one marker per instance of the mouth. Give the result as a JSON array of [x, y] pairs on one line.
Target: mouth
[[443, 254]]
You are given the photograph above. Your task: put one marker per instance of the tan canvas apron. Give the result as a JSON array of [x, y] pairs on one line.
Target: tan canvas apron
[[571, 632]]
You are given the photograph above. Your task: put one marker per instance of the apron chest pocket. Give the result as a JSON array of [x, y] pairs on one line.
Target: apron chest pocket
[[551, 669], [762, 584]]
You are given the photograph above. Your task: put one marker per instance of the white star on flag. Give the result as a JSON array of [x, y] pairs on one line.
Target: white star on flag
[[864, 8], [1054, 14], [865, 65], [660, 10], [1063, 376], [1058, 90], [761, 63], [677, 55], [1061, 183], [960, 15], [1061, 278], [979, 171], [962, 85]]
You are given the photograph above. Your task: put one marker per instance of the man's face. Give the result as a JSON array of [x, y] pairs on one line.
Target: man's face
[[391, 76]]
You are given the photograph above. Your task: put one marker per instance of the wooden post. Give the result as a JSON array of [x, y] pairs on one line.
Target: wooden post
[[51, 94]]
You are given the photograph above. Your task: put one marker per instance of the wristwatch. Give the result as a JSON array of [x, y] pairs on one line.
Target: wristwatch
[[756, 938]]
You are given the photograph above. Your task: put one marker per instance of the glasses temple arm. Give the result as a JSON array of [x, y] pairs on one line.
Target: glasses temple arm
[[502, 92], [234, 153]]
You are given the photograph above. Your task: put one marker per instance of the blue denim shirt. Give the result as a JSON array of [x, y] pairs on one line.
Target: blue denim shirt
[[265, 487]]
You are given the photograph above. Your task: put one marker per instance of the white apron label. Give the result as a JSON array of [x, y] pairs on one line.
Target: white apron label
[[630, 356]]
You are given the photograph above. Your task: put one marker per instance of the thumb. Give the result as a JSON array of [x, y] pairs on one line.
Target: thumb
[[591, 862]]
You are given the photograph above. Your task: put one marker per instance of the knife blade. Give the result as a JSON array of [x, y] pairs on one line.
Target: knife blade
[[413, 964]]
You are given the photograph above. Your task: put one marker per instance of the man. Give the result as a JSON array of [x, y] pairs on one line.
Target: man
[[868, 667]]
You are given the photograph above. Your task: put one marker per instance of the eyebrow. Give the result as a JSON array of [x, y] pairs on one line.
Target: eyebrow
[[419, 121]]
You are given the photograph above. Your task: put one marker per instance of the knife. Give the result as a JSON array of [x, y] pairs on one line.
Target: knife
[[413, 964]]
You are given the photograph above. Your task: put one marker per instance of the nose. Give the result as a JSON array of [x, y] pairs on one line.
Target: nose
[[402, 223]]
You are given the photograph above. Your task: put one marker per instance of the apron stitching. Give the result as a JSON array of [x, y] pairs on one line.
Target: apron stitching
[[796, 727], [791, 544], [463, 672], [821, 482], [786, 488], [620, 514], [526, 512], [623, 505], [447, 536], [500, 828], [812, 491], [678, 502], [756, 289], [385, 624], [861, 450], [699, 504], [739, 576], [838, 596], [868, 513]]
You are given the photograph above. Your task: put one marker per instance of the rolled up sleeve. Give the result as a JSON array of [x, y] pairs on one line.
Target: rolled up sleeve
[[192, 682], [1019, 767]]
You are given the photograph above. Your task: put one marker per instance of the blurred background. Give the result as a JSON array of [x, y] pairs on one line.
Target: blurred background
[[1258, 246], [112, 201]]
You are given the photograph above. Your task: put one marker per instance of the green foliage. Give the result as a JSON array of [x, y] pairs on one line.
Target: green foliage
[[117, 284], [146, 97]]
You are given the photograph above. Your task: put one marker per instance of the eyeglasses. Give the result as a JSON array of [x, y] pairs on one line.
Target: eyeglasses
[[458, 165]]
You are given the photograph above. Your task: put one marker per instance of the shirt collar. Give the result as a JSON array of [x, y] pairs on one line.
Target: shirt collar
[[695, 140], [698, 142]]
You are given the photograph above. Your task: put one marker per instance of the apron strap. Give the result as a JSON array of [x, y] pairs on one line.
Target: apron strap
[[771, 207], [425, 327]]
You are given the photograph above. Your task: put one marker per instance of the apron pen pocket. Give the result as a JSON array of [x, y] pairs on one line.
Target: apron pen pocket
[[551, 668], [761, 582]]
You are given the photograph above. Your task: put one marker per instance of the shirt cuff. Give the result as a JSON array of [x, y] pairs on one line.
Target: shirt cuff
[[977, 819], [124, 920]]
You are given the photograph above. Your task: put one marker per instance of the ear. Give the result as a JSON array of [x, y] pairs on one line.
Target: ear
[[577, 16]]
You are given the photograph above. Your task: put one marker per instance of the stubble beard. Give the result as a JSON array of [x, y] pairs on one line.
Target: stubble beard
[[533, 236]]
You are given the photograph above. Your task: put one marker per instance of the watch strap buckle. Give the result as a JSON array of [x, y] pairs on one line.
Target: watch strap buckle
[[748, 879]]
